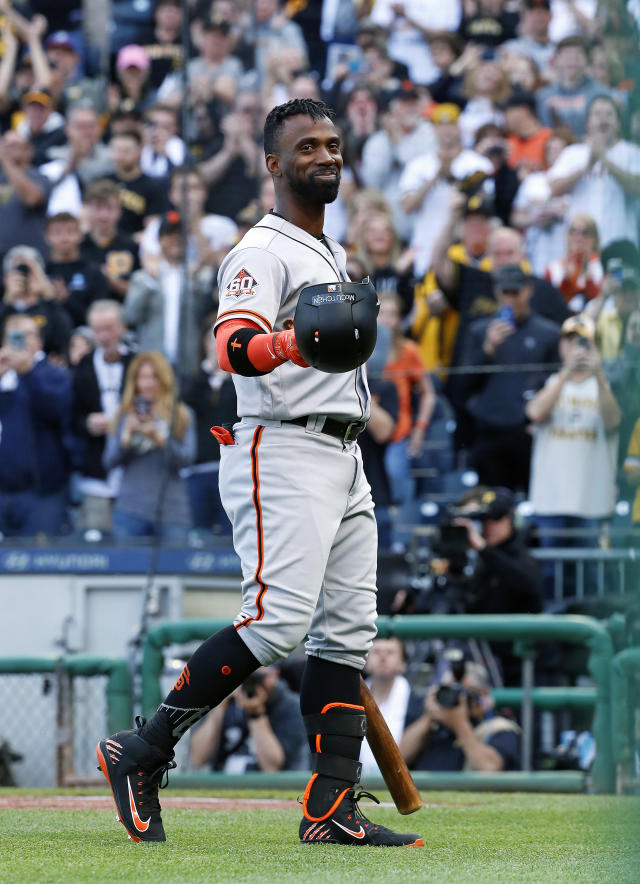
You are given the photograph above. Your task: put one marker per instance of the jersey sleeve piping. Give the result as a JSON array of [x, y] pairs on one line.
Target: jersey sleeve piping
[[244, 313]]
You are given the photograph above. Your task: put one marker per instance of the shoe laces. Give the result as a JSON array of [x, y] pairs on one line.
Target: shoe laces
[[352, 797], [155, 779]]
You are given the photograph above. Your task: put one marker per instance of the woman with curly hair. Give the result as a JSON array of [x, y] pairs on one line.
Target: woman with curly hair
[[152, 438]]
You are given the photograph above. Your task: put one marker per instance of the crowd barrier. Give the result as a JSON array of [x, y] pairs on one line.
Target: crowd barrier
[[527, 630]]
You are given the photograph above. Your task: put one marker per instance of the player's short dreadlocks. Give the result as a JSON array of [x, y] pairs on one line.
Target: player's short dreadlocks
[[276, 117]]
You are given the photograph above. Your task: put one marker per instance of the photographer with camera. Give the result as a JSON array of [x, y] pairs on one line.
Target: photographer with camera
[[457, 729], [257, 727]]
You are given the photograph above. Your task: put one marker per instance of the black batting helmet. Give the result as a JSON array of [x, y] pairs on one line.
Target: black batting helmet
[[336, 324]]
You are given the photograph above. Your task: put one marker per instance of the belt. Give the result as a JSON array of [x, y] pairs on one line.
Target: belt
[[345, 431]]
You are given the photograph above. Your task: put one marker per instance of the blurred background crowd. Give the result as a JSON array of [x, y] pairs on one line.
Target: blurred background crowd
[[491, 188]]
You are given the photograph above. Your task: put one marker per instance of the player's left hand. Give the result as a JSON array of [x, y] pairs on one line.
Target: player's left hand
[[284, 344]]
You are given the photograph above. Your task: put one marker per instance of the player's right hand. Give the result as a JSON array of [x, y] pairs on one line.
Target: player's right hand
[[284, 344]]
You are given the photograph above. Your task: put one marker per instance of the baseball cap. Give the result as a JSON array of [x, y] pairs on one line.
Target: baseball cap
[[537, 4], [579, 325], [216, 23], [37, 96], [61, 40], [170, 223], [486, 502], [447, 112], [510, 278], [132, 56], [479, 204], [405, 90]]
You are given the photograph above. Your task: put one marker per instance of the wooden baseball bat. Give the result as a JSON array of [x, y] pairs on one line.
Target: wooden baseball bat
[[385, 750]]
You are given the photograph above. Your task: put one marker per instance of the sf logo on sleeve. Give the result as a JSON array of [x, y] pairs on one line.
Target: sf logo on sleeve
[[241, 284]]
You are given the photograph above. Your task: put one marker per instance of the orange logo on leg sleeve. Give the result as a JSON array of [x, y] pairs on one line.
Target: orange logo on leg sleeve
[[184, 678]]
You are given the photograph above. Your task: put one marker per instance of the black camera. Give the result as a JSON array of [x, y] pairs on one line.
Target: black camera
[[448, 695], [22, 269], [252, 683]]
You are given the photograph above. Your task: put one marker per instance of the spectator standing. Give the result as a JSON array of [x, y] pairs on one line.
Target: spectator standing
[[35, 402], [527, 139], [620, 298], [533, 41], [574, 461], [538, 214], [211, 68], [132, 71], [486, 87], [601, 176], [632, 470], [76, 282], [380, 249], [448, 88], [429, 180], [516, 336], [488, 23], [403, 136], [97, 388], [23, 195], [212, 397], [114, 253], [566, 101], [28, 291], [141, 197], [405, 368], [163, 149], [409, 26], [271, 32], [385, 678], [257, 727], [165, 52], [467, 736], [156, 304], [578, 274], [76, 164], [151, 501], [42, 125]]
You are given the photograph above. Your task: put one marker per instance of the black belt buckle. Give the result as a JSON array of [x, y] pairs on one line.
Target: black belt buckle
[[352, 431]]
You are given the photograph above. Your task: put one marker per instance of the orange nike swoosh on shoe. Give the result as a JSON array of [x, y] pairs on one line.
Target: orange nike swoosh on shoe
[[141, 825], [358, 835]]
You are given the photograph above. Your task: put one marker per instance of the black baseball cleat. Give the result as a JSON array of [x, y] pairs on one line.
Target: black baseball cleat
[[348, 825], [135, 770]]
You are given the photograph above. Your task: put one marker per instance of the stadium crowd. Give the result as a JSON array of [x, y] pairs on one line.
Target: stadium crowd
[[491, 189]]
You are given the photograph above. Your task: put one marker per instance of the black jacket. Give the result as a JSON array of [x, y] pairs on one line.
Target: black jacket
[[86, 400]]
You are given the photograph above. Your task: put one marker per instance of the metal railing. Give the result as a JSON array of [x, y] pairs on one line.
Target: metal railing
[[527, 630]]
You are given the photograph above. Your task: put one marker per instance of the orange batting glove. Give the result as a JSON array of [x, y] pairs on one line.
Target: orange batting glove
[[284, 344]]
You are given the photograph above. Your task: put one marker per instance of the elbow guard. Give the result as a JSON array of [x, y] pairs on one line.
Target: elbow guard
[[237, 346]]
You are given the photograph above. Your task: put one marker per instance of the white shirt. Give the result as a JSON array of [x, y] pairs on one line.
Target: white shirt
[[542, 244], [598, 193], [434, 211], [221, 232], [261, 279], [406, 43], [172, 277], [573, 464], [157, 165], [563, 22], [394, 712], [66, 196]]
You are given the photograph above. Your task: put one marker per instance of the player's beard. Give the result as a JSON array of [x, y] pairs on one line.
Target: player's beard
[[314, 190]]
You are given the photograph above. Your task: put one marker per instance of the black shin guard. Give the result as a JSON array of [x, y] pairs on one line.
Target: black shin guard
[[336, 724], [215, 669]]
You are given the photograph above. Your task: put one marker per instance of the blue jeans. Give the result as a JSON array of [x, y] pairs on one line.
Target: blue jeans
[[557, 523], [126, 525], [26, 513], [207, 512]]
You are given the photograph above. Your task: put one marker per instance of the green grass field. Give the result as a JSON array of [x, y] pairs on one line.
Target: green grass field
[[469, 837]]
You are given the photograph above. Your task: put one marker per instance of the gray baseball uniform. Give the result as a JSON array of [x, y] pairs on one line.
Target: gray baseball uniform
[[301, 508]]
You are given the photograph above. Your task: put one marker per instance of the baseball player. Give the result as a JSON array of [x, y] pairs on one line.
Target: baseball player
[[292, 483]]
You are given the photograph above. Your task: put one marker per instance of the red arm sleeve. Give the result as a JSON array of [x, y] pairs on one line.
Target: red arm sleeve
[[242, 353]]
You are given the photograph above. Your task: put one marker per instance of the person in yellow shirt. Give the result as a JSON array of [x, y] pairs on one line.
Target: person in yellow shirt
[[435, 323]]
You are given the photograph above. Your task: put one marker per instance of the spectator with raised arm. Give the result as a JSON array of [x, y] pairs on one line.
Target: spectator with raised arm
[[23, 195], [98, 382], [35, 404], [601, 176]]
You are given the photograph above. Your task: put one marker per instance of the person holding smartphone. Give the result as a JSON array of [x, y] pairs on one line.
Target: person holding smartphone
[[152, 500], [574, 456], [510, 355]]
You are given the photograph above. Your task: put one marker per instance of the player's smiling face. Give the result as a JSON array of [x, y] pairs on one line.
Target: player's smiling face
[[310, 159]]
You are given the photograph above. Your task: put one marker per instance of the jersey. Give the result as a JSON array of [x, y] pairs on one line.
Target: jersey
[[260, 280]]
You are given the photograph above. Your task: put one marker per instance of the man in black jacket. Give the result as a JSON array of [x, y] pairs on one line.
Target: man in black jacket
[[97, 387], [507, 579]]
